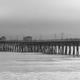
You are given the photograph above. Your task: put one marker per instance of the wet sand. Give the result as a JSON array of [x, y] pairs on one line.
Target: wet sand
[[31, 66]]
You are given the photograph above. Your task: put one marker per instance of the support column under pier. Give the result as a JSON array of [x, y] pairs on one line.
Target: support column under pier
[[69, 50], [77, 50], [60, 49], [50, 49], [73, 50], [54, 49], [65, 50]]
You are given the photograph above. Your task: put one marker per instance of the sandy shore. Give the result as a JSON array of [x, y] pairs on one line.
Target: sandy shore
[[18, 66], [40, 76]]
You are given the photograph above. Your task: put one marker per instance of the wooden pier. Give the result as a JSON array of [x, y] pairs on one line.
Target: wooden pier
[[58, 46]]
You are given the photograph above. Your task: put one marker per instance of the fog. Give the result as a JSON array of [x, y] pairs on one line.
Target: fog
[[41, 17]]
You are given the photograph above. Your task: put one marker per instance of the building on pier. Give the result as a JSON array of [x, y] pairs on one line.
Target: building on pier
[[3, 38], [27, 38]]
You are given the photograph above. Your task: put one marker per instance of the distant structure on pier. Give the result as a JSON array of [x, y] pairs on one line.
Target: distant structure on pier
[[3, 38], [27, 38]]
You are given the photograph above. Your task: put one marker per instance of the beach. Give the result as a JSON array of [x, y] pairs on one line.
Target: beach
[[36, 66]]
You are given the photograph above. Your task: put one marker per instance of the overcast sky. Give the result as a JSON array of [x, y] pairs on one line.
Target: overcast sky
[[40, 17]]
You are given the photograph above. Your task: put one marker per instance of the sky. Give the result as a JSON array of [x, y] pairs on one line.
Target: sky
[[39, 17]]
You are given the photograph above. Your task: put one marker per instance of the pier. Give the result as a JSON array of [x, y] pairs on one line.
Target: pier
[[58, 46]]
